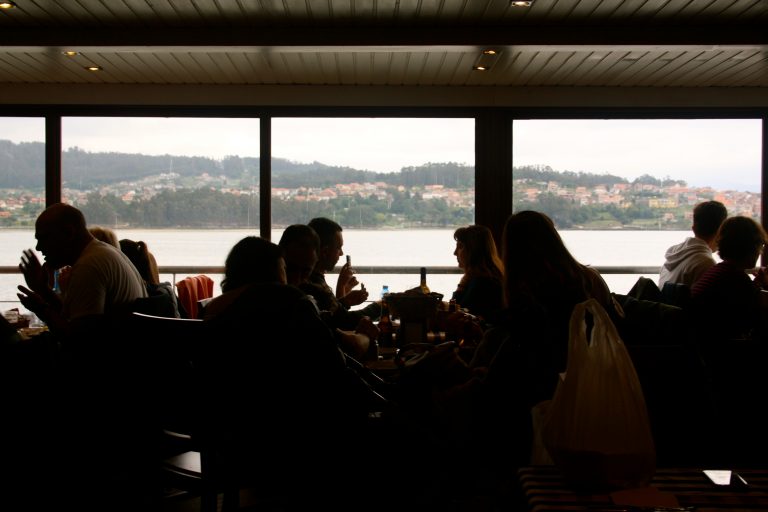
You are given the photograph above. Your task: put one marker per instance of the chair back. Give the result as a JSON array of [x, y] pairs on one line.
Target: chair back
[[155, 305], [676, 294], [178, 409], [645, 289], [193, 289]]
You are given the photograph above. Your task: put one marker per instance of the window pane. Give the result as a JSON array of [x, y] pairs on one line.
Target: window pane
[[622, 191], [398, 187], [188, 187], [22, 195]]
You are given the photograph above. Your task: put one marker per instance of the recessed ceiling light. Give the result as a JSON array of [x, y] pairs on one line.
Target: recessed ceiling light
[[69, 53], [517, 3], [489, 52], [480, 68], [7, 5], [93, 68]]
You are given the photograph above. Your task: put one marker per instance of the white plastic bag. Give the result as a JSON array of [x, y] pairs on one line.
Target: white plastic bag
[[597, 430]]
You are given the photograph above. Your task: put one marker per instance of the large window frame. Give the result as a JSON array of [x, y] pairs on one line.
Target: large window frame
[[493, 142]]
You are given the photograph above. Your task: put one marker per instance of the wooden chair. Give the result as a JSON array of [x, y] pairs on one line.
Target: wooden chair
[[187, 411], [174, 344]]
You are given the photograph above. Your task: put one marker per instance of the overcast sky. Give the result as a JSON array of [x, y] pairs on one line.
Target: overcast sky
[[720, 153]]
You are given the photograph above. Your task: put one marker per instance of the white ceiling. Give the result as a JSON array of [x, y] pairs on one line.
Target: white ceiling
[[553, 43]]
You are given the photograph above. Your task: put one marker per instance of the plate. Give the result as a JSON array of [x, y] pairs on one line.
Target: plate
[[28, 332]]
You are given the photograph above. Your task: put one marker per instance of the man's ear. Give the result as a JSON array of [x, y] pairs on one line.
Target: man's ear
[[68, 232]]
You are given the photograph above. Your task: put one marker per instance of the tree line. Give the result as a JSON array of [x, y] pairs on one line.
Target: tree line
[[206, 208], [22, 164]]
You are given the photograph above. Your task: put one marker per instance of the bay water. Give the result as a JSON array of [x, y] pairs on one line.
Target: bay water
[[368, 248]]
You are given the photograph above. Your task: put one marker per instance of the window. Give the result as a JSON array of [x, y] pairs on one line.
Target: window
[[399, 187], [621, 191], [188, 187], [22, 194]]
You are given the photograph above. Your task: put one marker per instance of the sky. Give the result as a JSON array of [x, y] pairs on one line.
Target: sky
[[724, 154]]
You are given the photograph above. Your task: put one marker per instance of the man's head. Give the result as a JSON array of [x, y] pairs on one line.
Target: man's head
[[707, 217], [331, 242], [741, 240], [61, 234], [300, 245], [253, 260]]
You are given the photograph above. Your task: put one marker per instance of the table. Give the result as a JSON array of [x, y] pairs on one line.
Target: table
[[544, 490]]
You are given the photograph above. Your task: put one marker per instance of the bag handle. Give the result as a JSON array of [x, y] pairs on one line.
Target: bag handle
[[601, 338]]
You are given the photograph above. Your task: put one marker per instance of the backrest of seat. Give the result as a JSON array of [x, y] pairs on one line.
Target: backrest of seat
[[171, 346], [676, 294], [645, 289], [191, 290], [155, 305]]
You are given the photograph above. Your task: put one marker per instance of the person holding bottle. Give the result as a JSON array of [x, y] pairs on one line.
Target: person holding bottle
[[299, 244], [331, 243]]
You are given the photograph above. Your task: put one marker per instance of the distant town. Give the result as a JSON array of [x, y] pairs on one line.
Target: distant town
[[635, 205], [143, 191]]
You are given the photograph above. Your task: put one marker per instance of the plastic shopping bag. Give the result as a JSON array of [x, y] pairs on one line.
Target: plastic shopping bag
[[596, 429]]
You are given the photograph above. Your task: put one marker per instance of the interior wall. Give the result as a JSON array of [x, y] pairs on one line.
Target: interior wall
[[381, 96]]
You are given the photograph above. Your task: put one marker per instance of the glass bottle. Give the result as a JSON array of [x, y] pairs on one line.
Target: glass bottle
[[386, 328], [423, 284], [372, 354], [56, 285]]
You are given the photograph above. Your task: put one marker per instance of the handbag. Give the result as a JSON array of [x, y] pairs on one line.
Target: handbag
[[596, 428]]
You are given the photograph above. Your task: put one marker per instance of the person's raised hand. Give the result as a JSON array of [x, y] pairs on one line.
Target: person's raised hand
[[355, 297], [346, 281], [31, 300], [35, 275]]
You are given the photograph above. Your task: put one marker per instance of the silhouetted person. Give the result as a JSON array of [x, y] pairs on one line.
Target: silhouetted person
[[331, 244], [300, 245], [480, 288], [287, 403], [106, 235], [725, 301], [164, 300], [687, 261], [100, 280]]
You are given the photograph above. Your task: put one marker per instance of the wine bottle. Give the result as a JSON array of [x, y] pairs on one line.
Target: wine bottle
[[386, 328], [423, 284]]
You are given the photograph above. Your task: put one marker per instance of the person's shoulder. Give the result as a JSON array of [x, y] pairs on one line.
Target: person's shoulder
[[100, 253], [598, 288], [593, 274], [317, 278], [688, 245]]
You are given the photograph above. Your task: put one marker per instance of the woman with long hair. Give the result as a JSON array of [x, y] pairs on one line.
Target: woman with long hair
[[162, 299], [541, 271], [480, 288]]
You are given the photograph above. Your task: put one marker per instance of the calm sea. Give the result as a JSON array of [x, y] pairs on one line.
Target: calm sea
[[411, 248]]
